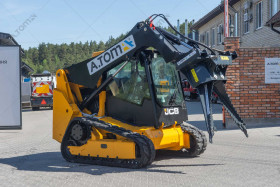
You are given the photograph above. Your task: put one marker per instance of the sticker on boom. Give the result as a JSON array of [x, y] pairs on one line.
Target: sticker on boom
[[194, 75], [224, 58], [111, 54]]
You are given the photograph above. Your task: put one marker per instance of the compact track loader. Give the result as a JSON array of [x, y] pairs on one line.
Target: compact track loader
[[120, 106]]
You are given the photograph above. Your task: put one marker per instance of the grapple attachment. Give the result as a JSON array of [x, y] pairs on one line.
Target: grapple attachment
[[207, 74], [219, 89]]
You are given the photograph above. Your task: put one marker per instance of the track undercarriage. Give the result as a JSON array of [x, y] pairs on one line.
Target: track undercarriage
[[83, 143]]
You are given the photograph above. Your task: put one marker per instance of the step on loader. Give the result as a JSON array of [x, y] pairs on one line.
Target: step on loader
[[120, 106]]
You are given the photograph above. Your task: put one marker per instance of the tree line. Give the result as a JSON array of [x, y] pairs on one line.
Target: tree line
[[52, 57]]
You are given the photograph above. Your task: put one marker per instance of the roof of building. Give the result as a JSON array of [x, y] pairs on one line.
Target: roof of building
[[7, 39], [212, 14], [26, 67], [275, 20]]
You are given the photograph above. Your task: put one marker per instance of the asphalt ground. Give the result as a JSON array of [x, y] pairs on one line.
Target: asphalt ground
[[30, 157]]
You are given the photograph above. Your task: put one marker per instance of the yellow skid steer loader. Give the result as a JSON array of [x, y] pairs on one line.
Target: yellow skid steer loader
[[120, 106]]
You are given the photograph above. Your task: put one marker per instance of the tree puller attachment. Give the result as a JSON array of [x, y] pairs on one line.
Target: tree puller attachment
[[120, 106]]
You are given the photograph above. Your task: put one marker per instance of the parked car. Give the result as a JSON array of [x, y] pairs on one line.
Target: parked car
[[214, 98], [42, 86], [189, 92]]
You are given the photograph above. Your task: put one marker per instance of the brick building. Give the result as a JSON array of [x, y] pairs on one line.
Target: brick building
[[247, 19], [256, 39], [254, 99], [274, 22]]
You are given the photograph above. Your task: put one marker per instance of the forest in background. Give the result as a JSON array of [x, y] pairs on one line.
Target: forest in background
[[52, 57]]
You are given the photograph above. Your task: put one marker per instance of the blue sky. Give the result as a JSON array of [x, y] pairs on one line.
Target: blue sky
[[64, 21]]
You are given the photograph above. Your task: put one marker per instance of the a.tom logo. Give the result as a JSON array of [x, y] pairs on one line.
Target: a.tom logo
[[111, 54], [171, 111]]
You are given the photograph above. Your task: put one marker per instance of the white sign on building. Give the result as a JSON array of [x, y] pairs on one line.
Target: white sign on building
[[272, 70], [10, 100]]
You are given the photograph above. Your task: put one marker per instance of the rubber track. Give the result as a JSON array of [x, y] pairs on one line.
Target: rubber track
[[144, 145], [204, 141], [200, 141]]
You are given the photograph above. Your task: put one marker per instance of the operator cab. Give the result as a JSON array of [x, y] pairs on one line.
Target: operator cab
[[132, 100]]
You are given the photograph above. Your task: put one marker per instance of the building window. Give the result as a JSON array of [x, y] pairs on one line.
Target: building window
[[273, 7], [229, 19], [213, 37], [259, 13], [193, 35], [246, 20], [220, 34], [202, 38], [207, 38]]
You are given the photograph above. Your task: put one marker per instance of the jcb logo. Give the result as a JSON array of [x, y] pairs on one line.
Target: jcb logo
[[171, 111], [111, 54]]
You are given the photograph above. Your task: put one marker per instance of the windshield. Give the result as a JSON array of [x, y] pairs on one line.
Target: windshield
[[130, 84], [167, 83]]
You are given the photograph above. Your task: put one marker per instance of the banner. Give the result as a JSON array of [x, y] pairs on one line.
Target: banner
[[272, 70], [10, 87]]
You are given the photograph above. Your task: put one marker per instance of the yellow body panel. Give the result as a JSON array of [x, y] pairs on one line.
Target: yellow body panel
[[102, 100], [106, 148], [94, 54], [171, 138], [102, 95], [61, 108], [76, 89], [64, 106]]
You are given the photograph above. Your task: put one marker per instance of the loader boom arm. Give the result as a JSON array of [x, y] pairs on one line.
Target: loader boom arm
[[139, 38], [204, 71]]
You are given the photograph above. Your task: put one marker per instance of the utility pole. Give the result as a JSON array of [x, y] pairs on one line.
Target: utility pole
[[226, 34], [178, 27], [193, 34], [226, 20], [186, 28]]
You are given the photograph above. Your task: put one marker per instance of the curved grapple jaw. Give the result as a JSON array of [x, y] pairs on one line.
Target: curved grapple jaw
[[207, 74]]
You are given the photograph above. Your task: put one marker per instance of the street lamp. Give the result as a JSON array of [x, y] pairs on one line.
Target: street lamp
[[231, 29]]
